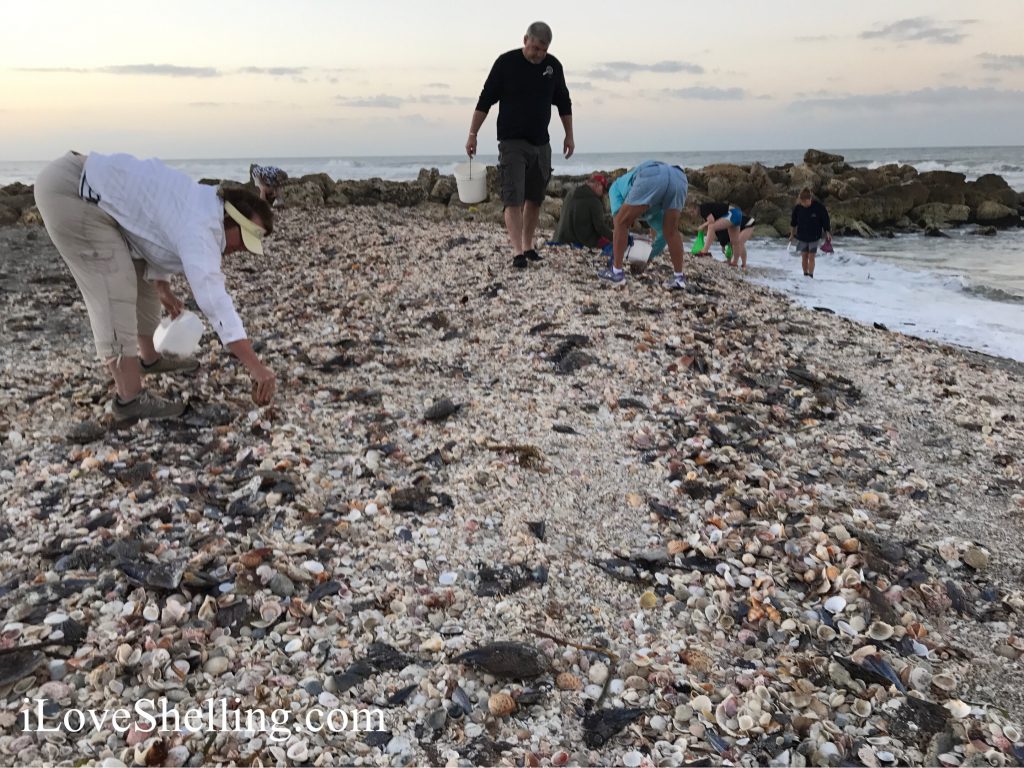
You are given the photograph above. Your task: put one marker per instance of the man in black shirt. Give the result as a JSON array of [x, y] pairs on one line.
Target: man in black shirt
[[808, 222], [526, 82]]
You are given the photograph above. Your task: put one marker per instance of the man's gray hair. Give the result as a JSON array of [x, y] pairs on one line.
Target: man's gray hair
[[539, 31]]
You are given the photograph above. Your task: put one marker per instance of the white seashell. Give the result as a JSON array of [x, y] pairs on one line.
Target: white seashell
[[712, 612], [846, 628], [861, 707], [858, 624], [293, 646], [1011, 733], [995, 758], [298, 752], [702, 704], [879, 630], [835, 604], [151, 612], [745, 722], [173, 612], [825, 632], [959, 709]]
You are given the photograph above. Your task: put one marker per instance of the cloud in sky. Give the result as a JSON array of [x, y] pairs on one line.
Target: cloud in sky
[[162, 70], [276, 71], [1001, 62], [920, 28], [437, 85], [444, 98], [935, 97], [623, 70], [703, 93], [380, 101]]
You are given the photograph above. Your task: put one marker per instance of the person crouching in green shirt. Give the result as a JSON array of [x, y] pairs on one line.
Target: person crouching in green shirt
[[582, 222]]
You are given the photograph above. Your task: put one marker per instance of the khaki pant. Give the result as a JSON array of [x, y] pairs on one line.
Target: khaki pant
[[121, 304]]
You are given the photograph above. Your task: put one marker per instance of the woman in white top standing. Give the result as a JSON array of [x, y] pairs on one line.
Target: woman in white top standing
[[124, 226]]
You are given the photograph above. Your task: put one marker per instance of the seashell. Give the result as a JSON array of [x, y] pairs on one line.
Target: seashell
[[702, 704], [879, 630], [959, 709], [174, 612], [501, 704], [745, 722], [127, 656], [825, 633], [995, 757], [150, 612], [1011, 733], [712, 612], [208, 610], [835, 604], [298, 752], [648, 600], [567, 681], [846, 628], [944, 682], [861, 707], [270, 611]]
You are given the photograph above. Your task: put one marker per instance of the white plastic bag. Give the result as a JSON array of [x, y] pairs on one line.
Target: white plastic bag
[[179, 336]]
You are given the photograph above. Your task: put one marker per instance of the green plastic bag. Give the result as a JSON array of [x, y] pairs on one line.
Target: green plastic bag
[[728, 253], [698, 244]]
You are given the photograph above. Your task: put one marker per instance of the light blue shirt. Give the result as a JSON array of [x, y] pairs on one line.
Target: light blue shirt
[[655, 217]]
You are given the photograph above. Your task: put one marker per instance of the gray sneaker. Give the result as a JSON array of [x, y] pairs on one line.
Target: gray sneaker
[[171, 364], [147, 406]]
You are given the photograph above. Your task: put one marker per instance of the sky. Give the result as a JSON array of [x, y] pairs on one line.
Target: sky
[[312, 78]]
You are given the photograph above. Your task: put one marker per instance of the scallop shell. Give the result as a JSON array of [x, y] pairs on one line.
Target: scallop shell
[[879, 630]]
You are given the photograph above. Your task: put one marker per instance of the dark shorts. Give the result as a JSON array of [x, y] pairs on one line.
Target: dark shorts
[[524, 170]]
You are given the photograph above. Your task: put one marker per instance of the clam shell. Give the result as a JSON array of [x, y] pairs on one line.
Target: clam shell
[[861, 707], [879, 630], [825, 632], [1011, 733], [835, 604]]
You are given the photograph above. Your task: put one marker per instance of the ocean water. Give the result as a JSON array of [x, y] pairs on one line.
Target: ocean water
[[965, 289]]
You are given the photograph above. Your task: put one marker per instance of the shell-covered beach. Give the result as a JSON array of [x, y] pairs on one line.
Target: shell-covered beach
[[715, 527]]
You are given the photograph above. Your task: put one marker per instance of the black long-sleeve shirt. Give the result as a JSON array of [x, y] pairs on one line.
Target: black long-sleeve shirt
[[810, 221], [526, 92]]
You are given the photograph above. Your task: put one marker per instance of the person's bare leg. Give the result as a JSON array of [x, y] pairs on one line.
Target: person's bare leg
[[147, 352], [127, 376], [624, 219], [745, 235], [803, 260], [674, 240], [706, 250], [514, 227], [531, 215], [810, 262]]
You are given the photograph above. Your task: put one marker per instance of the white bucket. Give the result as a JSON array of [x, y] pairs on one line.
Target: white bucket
[[179, 336], [639, 252], [471, 190]]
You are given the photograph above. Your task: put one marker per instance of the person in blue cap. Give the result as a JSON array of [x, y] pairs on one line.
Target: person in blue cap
[[656, 192]]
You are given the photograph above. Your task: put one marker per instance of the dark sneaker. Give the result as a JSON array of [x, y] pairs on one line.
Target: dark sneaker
[[613, 276], [532, 255], [519, 262], [146, 406], [171, 364]]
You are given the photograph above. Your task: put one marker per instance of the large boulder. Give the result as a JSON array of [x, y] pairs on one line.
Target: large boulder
[[996, 214], [552, 206], [814, 179], [950, 194], [989, 187], [744, 194], [766, 211], [817, 157], [8, 215], [723, 179], [31, 216], [763, 183], [427, 178], [942, 178], [885, 206], [938, 215], [443, 190], [16, 188], [301, 194], [375, 191]]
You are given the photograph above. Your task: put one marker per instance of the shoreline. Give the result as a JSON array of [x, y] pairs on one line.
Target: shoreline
[[764, 433]]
